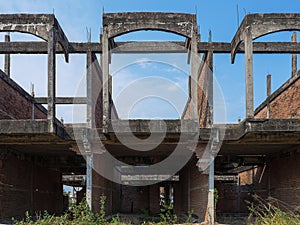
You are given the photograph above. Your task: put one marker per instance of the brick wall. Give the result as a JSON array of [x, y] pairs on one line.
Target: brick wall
[[235, 197], [203, 90], [15, 102], [25, 186], [286, 104], [285, 179], [191, 193], [102, 186]]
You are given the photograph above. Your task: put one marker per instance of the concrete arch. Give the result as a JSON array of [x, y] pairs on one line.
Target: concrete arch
[[38, 25], [117, 24], [263, 24]]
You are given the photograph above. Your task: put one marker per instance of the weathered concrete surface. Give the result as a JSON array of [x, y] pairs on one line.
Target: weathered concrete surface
[[148, 47], [263, 24], [121, 23], [36, 24]]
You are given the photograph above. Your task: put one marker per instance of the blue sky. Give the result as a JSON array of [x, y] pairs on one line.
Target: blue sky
[[219, 16]]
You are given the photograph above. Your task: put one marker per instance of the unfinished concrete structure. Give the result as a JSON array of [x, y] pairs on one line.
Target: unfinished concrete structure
[[36, 149]]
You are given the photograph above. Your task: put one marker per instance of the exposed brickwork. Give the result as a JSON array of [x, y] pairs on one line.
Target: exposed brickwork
[[284, 179], [203, 91], [286, 105], [25, 186], [233, 197], [16, 103], [102, 186], [191, 193]]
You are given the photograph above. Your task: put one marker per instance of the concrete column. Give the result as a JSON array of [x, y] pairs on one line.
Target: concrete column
[[249, 73], [269, 91], [211, 197], [90, 123], [210, 82], [294, 57], [51, 80], [195, 62], [89, 181], [7, 59], [89, 91], [105, 81]]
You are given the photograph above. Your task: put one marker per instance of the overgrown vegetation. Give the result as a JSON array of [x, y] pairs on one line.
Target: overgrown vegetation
[[82, 215], [272, 212]]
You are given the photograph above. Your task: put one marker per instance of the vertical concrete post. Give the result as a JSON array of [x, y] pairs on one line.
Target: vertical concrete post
[[294, 57], [195, 62], [89, 90], [90, 125], [269, 91], [89, 174], [7, 58], [210, 82], [105, 81], [249, 73], [211, 198], [51, 80]]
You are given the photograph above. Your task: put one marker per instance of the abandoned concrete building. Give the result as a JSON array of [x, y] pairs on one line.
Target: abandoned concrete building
[[260, 154]]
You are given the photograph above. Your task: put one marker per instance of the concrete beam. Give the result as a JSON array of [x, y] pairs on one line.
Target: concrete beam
[[149, 47], [62, 100]]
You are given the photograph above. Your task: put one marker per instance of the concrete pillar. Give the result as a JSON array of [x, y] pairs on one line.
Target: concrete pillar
[[210, 82], [90, 125], [269, 85], [249, 73], [89, 181], [105, 81], [269, 91], [211, 198], [89, 91], [195, 62], [51, 80], [7, 58], [294, 57]]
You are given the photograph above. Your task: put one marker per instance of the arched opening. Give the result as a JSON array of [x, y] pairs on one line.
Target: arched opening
[[150, 86]]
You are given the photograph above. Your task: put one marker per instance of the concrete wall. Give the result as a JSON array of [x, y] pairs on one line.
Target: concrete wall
[[26, 186], [15, 102]]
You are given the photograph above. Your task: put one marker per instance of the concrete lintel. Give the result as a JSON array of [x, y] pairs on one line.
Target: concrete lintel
[[157, 126], [122, 23]]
